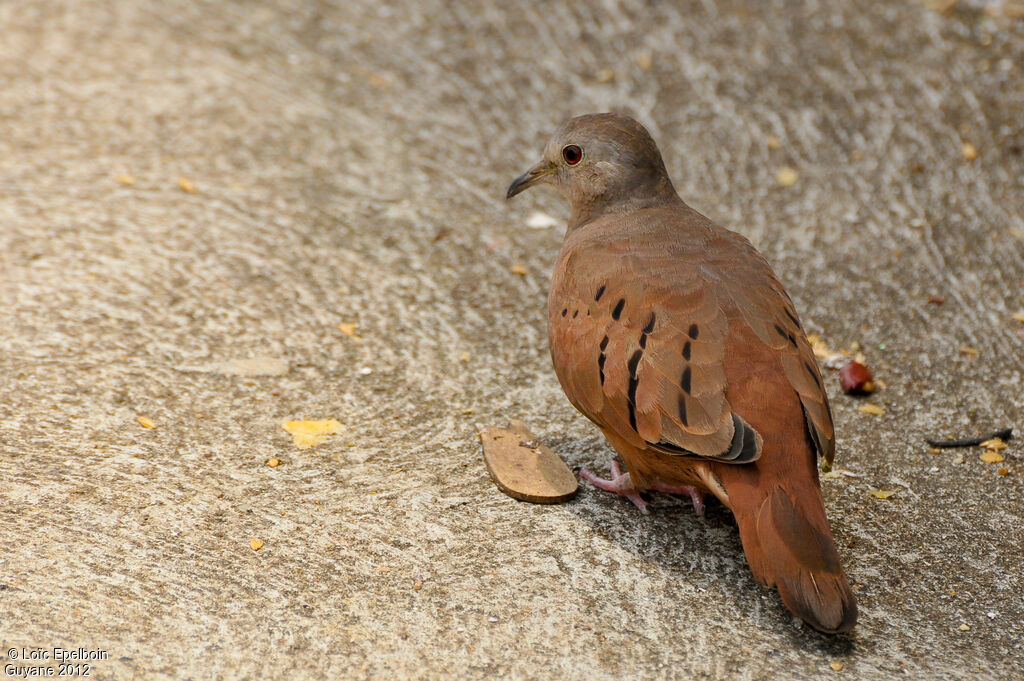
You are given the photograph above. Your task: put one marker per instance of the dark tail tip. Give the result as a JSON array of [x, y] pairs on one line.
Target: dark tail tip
[[823, 601], [803, 560]]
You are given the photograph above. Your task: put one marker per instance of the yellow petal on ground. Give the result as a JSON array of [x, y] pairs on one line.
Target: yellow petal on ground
[[969, 350], [186, 185], [969, 151], [125, 178], [992, 457], [309, 434], [347, 328], [872, 409], [836, 666], [256, 544], [1018, 317], [772, 142], [881, 493], [996, 444], [518, 268], [1003, 471], [786, 176], [145, 422], [274, 463]]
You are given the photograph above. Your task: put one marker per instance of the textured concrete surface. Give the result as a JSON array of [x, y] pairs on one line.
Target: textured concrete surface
[[349, 163]]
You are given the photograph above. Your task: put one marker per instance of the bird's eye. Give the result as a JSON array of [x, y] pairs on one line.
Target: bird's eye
[[572, 154]]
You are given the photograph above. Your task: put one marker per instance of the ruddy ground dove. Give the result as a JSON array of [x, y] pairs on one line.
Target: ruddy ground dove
[[676, 338]]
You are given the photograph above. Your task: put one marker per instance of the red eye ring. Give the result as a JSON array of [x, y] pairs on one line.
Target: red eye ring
[[572, 154]]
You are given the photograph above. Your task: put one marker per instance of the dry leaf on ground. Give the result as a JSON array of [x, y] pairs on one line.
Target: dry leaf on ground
[[996, 444], [992, 457], [871, 408], [311, 433], [881, 493], [786, 177], [145, 422]]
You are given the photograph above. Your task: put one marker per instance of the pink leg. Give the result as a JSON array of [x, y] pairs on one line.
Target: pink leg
[[619, 483], [695, 494]]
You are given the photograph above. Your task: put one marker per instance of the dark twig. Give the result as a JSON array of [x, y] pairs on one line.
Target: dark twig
[[1004, 434]]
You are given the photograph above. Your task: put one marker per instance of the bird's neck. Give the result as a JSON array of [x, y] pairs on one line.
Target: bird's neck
[[653, 194]]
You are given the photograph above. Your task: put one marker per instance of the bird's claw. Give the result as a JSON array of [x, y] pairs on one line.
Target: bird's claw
[[619, 483]]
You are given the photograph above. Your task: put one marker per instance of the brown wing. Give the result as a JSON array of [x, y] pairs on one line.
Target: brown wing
[[643, 354], [762, 303]]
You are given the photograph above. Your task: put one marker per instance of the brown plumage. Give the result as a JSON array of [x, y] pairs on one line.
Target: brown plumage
[[676, 338]]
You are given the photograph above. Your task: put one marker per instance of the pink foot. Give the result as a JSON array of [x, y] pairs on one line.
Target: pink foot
[[695, 494], [619, 483]]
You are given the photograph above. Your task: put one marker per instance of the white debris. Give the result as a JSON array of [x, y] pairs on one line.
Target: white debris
[[538, 220]]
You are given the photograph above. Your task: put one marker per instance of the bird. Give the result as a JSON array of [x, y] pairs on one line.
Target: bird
[[676, 338]]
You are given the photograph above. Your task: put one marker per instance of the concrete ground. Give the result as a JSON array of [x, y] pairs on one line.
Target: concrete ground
[[188, 184]]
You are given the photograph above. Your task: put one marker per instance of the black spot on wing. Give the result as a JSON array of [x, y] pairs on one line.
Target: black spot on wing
[[813, 374], [647, 330], [600, 292], [617, 312], [684, 382], [686, 350], [693, 332], [682, 410], [789, 313], [634, 381]]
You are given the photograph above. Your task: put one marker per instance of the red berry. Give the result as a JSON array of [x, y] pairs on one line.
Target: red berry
[[856, 379]]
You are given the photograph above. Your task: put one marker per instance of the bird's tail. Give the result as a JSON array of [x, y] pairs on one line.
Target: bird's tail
[[788, 544]]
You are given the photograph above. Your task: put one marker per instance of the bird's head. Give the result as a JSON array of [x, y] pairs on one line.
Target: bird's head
[[601, 163]]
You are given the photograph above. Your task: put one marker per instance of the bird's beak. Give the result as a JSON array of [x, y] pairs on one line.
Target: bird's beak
[[533, 176]]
